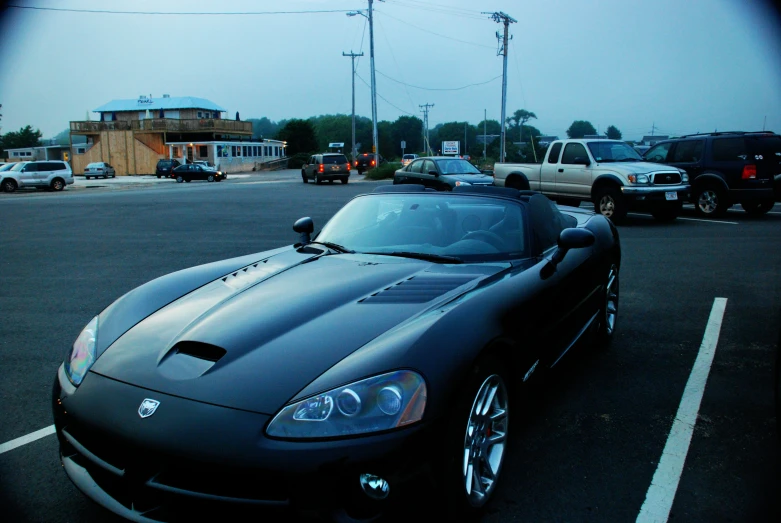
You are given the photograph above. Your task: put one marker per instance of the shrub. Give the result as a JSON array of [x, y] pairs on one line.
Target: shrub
[[298, 160], [384, 171]]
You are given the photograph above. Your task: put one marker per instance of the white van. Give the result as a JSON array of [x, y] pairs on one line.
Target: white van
[[49, 174]]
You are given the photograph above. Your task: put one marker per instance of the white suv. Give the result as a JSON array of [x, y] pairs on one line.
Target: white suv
[[50, 174]]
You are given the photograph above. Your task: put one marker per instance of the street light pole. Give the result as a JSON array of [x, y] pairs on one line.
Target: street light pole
[[425, 123], [374, 88], [506, 20], [352, 56]]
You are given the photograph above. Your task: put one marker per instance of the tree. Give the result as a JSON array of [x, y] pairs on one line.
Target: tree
[[263, 127], [520, 117], [410, 130], [299, 135], [26, 137], [580, 128], [613, 133]]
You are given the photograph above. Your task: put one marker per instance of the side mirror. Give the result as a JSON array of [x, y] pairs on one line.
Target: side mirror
[[581, 160], [573, 238], [305, 227], [433, 173]]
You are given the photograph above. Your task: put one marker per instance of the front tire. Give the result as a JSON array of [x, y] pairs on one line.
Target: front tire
[[9, 185], [609, 202], [210, 178], [477, 439], [758, 208], [179, 179], [710, 201]]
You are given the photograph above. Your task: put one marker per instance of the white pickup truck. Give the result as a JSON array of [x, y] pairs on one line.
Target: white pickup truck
[[609, 173]]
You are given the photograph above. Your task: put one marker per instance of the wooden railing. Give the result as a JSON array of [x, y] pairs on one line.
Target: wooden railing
[[165, 124]]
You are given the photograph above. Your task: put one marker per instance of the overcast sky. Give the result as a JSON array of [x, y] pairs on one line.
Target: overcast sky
[[681, 66]]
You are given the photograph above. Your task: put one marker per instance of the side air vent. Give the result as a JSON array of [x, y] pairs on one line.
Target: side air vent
[[249, 275], [196, 349], [418, 289]]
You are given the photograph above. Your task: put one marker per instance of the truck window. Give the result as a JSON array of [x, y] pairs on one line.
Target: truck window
[[729, 149], [688, 151], [553, 155], [572, 151], [658, 153]]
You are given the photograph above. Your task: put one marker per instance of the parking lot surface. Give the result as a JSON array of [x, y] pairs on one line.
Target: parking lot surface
[[586, 443]]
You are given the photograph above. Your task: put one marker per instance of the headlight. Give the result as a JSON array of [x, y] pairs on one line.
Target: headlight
[[374, 404], [458, 184], [82, 354], [684, 176], [638, 178]]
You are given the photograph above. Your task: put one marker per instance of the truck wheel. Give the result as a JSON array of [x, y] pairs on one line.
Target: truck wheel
[[9, 185], [710, 201], [667, 212], [57, 184], [609, 202], [758, 208]]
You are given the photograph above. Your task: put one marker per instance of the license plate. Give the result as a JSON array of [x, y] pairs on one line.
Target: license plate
[[671, 195]]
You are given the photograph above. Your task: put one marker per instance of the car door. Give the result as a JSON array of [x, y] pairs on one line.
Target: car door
[[28, 177], [549, 168], [431, 180], [687, 155], [573, 179], [413, 172]]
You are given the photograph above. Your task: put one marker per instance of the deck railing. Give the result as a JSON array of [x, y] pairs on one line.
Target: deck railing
[[165, 124]]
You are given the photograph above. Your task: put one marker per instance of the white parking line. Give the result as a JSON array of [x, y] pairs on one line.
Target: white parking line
[[661, 493], [24, 440], [708, 221]]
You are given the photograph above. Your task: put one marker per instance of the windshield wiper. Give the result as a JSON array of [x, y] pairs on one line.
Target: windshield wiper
[[438, 258], [336, 247]]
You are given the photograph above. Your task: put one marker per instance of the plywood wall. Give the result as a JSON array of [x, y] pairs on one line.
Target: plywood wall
[[80, 161], [145, 159]]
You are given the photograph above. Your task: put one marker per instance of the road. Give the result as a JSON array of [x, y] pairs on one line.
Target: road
[[586, 442]]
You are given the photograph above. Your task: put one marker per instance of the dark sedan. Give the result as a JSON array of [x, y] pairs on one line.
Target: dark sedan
[[441, 173], [194, 171], [367, 362]]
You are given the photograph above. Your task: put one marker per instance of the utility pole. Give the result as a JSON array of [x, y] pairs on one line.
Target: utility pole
[[352, 56], [653, 126], [485, 136], [425, 124], [465, 149], [506, 20]]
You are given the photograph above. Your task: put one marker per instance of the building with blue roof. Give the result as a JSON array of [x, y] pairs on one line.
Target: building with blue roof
[[134, 134]]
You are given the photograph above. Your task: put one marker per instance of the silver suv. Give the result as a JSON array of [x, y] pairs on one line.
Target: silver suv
[[48, 174]]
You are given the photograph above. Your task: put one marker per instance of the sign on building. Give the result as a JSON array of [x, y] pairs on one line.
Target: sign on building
[[450, 147]]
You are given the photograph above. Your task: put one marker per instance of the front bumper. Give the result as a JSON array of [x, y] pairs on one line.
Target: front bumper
[[188, 457], [656, 194]]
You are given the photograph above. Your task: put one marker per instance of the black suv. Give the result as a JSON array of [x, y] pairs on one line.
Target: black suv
[[366, 162], [725, 168], [165, 168]]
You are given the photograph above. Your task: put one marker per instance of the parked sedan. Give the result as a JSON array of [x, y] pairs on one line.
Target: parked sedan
[[99, 170], [250, 382], [442, 173], [191, 171]]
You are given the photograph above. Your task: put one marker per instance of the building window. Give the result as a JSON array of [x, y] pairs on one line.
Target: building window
[[245, 154], [200, 114], [81, 150], [222, 151], [203, 151], [276, 151], [233, 151]]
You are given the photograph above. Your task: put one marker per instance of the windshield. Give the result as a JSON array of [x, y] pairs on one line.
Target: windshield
[[457, 166], [18, 167], [613, 152], [408, 157], [469, 228]]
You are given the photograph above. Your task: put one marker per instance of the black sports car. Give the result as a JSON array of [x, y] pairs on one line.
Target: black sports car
[[343, 373], [441, 173]]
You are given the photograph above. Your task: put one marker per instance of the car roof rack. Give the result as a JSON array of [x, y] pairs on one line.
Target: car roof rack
[[720, 133]]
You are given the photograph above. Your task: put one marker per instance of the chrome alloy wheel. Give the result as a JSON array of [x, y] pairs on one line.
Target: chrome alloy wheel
[[708, 201], [607, 206], [611, 300], [485, 440]]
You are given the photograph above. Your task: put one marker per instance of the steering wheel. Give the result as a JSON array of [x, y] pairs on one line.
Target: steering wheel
[[488, 237]]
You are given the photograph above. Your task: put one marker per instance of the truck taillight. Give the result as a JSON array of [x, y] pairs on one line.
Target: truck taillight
[[372, 162], [356, 163], [320, 168], [749, 172]]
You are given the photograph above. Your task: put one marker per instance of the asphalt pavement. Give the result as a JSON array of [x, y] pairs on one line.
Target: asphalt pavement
[[586, 443]]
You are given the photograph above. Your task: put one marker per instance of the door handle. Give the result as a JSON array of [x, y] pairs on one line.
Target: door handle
[[561, 170]]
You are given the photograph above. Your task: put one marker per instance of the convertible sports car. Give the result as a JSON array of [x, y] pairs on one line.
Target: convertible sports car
[[359, 366]]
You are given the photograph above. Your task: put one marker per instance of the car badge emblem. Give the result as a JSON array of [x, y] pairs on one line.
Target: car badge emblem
[[148, 407], [668, 178]]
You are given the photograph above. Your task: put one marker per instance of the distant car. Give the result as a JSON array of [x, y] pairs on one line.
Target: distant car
[[99, 170], [6, 166], [326, 166], [165, 168], [366, 162], [725, 168], [54, 175], [190, 172], [407, 158], [442, 173]]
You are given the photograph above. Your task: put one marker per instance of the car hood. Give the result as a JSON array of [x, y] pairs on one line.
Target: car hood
[[254, 338], [470, 178], [639, 167]]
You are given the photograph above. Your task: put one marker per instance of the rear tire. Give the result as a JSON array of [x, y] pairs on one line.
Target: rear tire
[[608, 314], [57, 184], [318, 181], [609, 202], [179, 179], [345, 179], [758, 208]]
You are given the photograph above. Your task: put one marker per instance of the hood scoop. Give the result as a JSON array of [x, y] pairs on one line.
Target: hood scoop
[[418, 289], [189, 359]]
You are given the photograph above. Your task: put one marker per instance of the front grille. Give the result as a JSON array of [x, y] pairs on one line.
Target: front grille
[[667, 179]]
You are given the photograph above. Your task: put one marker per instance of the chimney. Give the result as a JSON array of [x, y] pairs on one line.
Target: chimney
[[166, 96]]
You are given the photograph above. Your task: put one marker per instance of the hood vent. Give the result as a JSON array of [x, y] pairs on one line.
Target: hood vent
[[248, 275], [189, 359], [418, 289], [196, 349]]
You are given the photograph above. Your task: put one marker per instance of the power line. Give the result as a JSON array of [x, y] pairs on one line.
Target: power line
[[439, 89], [378, 94], [384, 33], [428, 31], [191, 13], [439, 8]]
